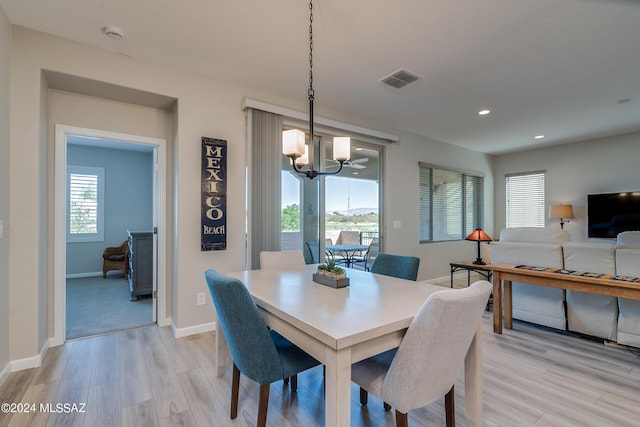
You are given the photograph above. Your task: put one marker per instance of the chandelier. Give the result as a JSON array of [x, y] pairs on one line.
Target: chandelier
[[293, 140]]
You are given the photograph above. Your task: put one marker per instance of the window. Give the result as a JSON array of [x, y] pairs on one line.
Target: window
[[525, 200], [451, 203], [85, 204]]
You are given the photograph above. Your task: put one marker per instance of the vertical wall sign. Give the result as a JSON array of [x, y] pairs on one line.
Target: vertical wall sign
[[214, 194]]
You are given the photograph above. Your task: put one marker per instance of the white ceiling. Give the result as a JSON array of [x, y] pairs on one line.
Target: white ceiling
[[561, 68]]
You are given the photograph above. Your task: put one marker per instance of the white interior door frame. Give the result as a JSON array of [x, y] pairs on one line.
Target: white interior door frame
[[60, 208]]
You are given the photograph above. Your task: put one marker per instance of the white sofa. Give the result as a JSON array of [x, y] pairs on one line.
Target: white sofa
[[540, 247], [628, 264], [609, 318], [595, 315]]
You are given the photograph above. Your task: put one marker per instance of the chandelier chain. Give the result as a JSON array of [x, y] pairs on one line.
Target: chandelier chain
[[311, 94], [311, 173]]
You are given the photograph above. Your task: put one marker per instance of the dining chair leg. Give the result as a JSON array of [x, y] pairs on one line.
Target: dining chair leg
[[450, 408], [235, 388], [263, 405], [364, 396], [294, 383], [401, 419]]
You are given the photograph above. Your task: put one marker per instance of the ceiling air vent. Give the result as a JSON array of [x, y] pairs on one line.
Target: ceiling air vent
[[400, 78]]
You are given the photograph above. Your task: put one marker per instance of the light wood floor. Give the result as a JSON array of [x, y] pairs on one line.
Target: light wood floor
[[145, 377]]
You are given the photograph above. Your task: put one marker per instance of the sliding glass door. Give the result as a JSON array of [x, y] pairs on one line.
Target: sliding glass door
[[315, 211]]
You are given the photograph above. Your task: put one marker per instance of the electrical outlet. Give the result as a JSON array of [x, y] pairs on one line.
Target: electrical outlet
[[201, 298]]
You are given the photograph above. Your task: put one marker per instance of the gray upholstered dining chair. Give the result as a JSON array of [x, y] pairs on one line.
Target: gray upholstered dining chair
[[402, 266], [430, 356], [273, 260], [257, 352]]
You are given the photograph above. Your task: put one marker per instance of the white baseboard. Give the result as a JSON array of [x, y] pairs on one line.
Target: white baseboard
[[193, 330], [30, 362], [81, 275], [456, 275], [437, 280], [166, 322]]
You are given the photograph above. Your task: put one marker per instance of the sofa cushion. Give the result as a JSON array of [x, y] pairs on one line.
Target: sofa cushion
[[540, 254], [591, 314], [534, 235], [589, 257], [628, 239], [628, 264], [531, 303]]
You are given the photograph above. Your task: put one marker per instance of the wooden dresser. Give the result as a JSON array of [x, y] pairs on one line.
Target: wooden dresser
[[140, 263]]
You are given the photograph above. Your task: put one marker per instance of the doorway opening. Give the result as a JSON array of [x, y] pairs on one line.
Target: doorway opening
[[108, 192]]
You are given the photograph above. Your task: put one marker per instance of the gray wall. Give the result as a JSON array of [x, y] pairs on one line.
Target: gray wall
[[574, 170], [210, 108], [128, 201], [5, 37]]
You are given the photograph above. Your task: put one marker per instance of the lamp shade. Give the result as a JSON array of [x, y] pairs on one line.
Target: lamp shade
[[561, 211], [293, 143], [341, 148], [304, 159], [478, 235]]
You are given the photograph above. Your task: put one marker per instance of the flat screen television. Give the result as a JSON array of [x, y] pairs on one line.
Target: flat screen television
[[612, 213]]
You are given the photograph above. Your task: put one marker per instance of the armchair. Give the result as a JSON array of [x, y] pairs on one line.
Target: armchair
[[116, 258]]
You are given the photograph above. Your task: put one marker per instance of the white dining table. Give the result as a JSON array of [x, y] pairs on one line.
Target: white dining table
[[342, 326]]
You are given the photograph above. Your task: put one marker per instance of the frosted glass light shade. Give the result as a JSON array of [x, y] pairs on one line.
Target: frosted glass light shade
[[304, 159], [293, 143], [341, 148]]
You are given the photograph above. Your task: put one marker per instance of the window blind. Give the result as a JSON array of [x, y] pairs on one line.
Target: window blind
[[451, 203], [85, 199], [525, 200]]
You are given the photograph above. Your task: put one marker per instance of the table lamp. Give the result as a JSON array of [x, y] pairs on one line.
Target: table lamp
[[478, 235]]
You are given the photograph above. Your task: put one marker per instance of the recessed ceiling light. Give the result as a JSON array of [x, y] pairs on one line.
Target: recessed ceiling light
[[538, 137], [484, 112]]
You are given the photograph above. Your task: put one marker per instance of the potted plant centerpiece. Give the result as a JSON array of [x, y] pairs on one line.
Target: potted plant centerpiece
[[331, 275]]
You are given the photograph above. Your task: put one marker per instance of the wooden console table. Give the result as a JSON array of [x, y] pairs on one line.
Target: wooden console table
[[504, 274]]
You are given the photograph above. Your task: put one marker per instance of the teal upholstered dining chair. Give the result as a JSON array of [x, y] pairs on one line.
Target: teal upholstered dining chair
[[402, 266], [257, 352], [431, 354]]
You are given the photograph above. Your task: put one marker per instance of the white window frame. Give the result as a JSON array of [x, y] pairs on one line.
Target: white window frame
[[98, 236], [468, 204], [524, 196]]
